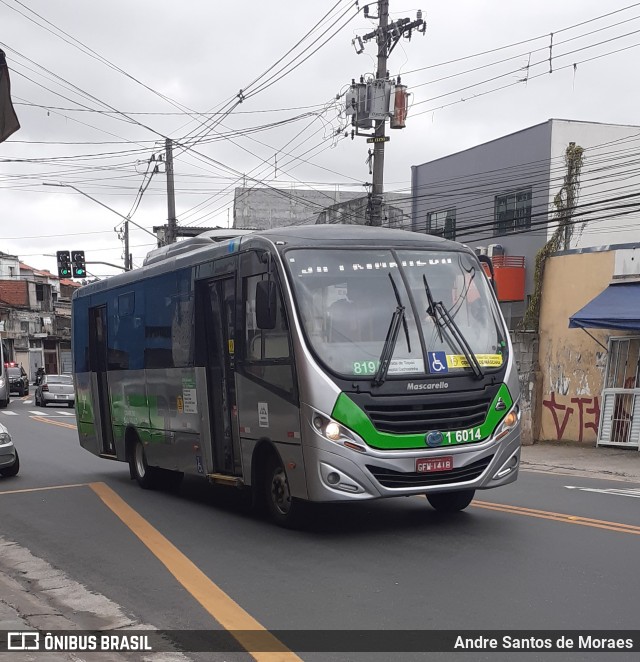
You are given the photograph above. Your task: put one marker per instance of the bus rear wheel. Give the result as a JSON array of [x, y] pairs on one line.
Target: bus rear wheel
[[283, 509], [451, 502], [144, 474]]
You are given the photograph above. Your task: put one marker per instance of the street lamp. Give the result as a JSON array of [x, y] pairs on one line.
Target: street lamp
[[127, 220]]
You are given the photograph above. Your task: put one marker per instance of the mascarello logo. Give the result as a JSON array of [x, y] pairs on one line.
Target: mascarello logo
[[427, 386]]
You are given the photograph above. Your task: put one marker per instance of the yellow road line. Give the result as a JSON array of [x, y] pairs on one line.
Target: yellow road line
[[44, 419], [40, 489], [559, 517], [213, 599]]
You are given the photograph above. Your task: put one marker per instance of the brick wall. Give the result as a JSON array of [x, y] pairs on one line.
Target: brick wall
[[14, 293]]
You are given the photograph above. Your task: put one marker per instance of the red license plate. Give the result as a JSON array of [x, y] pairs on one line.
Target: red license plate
[[427, 465]]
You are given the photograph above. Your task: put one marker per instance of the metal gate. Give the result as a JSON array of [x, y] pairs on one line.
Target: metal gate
[[620, 413]]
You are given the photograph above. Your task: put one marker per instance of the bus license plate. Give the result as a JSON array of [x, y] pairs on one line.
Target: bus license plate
[[427, 465]]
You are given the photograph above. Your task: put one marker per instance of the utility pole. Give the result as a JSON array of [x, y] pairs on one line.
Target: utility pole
[[171, 196], [127, 255], [371, 103], [377, 188]]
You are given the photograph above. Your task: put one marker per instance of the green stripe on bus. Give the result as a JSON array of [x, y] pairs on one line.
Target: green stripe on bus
[[349, 414]]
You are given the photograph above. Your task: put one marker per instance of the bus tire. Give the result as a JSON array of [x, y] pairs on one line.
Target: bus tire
[[284, 510], [145, 475], [451, 502], [11, 471], [4, 403]]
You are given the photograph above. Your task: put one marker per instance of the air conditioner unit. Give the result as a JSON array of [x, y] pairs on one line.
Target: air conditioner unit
[[480, 250], [494, 250]]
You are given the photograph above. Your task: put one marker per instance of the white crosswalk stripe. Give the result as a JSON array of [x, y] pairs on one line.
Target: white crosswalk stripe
[[39, 413], [632, 492], [9, 413]]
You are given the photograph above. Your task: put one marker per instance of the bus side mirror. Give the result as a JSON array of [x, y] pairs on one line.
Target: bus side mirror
[[266, 304], [485, 259]]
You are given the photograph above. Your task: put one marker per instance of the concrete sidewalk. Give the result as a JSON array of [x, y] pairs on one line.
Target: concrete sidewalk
[[583, 460], [22, 609], [36, 596]]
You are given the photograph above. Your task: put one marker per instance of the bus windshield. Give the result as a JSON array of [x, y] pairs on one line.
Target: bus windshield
[[347, 300]]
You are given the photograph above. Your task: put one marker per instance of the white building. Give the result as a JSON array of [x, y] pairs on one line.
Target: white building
[[9, 266]]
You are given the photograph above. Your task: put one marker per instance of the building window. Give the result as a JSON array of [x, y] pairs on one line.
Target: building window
[[512, 212], [442, 223], [39, 292]]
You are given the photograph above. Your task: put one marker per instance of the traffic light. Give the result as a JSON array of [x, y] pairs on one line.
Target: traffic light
[[79, 266], [64, 264]]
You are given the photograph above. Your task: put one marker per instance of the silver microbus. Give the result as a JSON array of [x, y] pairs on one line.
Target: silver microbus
[[327, 363]]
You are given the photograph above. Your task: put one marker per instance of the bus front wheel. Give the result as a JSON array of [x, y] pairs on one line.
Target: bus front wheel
[[140, 470], [451, 502], [283, 509]]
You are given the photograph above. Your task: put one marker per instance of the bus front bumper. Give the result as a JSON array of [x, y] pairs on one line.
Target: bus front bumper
[[342, 474]]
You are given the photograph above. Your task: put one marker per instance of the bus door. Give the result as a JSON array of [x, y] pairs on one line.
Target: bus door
[[98, 364], [217, 299]]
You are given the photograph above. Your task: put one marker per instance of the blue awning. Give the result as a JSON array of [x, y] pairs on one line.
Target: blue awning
[[617, 307]]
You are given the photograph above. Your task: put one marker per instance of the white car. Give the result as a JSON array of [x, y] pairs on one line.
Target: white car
[[9, 461], [55, 389]]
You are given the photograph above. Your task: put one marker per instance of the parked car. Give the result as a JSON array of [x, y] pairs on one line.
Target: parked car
[[18, 379], [9, 460], [56, 389]]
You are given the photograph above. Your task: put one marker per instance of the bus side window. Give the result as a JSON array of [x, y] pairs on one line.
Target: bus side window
[[264, 343], [266, 352]]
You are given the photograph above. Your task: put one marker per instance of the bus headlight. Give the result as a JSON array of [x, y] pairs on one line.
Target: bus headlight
[[333, 431], [509, 422]]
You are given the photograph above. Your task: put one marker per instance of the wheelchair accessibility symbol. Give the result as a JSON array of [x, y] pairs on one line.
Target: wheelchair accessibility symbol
[[437, 362]]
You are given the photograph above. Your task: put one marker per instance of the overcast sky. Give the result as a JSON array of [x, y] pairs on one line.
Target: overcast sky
[[97, 87]]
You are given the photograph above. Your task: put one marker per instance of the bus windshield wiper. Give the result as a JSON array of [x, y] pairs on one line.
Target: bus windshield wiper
[[431, 310], [441, 317], [392, 338]]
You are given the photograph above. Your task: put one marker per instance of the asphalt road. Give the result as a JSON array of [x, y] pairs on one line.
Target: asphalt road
[[549, 552]]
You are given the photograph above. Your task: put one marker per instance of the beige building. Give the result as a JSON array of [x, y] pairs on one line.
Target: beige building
[[588, 378]]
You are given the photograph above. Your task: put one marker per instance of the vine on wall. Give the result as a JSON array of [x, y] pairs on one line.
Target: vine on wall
[[564, 202]]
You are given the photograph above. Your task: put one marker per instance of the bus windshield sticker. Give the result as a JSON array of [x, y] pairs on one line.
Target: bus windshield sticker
[[485, 360], [402, 366], [396, 367], [438, 362]]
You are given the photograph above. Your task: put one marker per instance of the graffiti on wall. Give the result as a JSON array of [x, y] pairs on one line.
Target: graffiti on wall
[[565, 409]]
